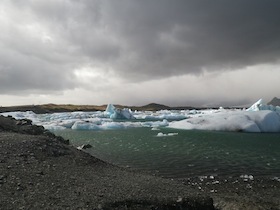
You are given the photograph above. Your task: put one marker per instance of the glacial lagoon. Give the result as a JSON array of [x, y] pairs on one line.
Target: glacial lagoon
[[190, 153]]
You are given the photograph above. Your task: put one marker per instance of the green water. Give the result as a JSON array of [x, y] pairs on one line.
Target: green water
[[188, 154]]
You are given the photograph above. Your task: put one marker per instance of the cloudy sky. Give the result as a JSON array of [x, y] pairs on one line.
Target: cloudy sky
[[175, 52]]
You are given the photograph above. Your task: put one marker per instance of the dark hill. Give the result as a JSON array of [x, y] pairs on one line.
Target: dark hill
[[148, 107], [154, 107], [275, 102]]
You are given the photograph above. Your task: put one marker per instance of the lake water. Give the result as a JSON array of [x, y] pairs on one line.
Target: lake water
[[190, 153]]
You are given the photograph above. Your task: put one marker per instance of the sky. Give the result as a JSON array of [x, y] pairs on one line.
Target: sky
[[131, 52]]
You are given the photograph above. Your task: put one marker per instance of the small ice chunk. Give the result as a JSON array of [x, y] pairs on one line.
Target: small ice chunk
[[172, 134], [160, 134]]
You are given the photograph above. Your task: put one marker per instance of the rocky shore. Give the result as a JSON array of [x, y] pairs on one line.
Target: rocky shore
[[39, 170]]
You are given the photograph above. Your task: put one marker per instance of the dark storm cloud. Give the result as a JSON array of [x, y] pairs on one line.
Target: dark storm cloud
[[43, 42], [169, 38]]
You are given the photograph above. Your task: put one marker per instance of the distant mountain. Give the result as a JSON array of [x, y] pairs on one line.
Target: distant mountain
[[148, 107], [275, 102]]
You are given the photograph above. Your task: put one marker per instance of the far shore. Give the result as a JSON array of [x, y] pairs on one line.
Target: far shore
[[56, 108]]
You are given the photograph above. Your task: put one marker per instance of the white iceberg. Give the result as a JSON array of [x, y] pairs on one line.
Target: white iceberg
[[258, 118], [261, 121]]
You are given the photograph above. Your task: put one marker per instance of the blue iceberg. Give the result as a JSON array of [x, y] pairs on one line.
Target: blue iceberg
[[115, 113]]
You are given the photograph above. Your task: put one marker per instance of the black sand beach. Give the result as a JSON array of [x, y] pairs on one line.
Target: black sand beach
[[41, 171]]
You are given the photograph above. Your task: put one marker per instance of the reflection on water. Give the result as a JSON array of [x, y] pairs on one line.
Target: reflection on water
[[188, 154]]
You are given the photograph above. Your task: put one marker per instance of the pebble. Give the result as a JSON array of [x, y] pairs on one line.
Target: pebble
[[180, 199], [40, 173], [247, 177], [19, 188]]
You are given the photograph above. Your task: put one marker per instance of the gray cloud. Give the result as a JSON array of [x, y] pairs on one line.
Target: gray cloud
[[43, 42]]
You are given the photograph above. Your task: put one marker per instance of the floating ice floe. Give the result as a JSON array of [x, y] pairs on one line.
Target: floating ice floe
[[155, 124], [162, 115]]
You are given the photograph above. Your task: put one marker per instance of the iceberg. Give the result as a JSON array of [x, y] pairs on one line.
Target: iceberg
[[260, 105], [242, 121], [110, 109], [115, 113], [256, 106], [258, 118]]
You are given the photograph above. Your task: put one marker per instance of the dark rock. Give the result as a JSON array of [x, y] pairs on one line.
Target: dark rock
[[20, 126], [40, 173], [49, 134], [31, 129], [25, 126], [24, 122], [62, 140]]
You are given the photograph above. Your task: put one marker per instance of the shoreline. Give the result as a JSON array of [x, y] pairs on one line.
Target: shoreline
[[40, 170]]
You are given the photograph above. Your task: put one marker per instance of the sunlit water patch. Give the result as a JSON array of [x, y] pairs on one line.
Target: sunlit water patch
[[186, 153]]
